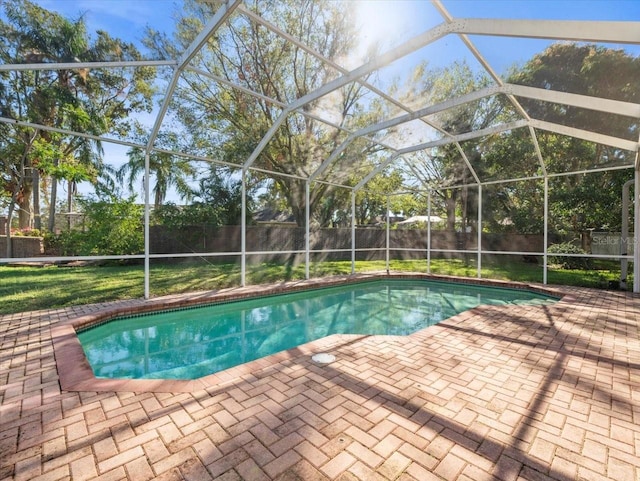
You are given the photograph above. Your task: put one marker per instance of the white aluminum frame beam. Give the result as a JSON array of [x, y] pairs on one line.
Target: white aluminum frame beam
[[430, 110], [586, 135], [599, 104], [383, 165], [465, 136], [479, 233], [147, 217], [536, 148], [590, 171], [467, 163], [574, 30], [89, 65], [334, 155], [73, 133]]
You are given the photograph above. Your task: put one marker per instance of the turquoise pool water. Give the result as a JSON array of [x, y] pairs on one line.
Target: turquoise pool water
[[195, 342]]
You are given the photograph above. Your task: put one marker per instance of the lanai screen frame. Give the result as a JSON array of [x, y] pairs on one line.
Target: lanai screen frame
[[578, 31]]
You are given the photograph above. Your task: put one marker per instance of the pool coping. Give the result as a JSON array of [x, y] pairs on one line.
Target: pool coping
[[75, 373]]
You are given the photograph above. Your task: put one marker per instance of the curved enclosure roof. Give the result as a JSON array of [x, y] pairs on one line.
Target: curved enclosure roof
[[398, 121]]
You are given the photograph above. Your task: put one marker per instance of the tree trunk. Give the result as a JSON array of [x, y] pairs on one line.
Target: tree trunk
[[465, 209], [24, 205], [69, 203], [52, 205], [295, 194], [9, 252], [37, 221], [22, 194]]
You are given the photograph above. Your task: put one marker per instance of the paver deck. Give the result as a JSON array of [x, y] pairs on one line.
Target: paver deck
[[515, 393]]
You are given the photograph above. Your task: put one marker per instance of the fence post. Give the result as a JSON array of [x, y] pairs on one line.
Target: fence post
[[429, 233], [387, 238], [308, 230], [353, 231], [243, 233], [546, 230], [479, 233], [147, 238]]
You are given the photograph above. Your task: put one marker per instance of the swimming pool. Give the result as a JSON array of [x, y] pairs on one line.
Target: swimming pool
[[194, 342]]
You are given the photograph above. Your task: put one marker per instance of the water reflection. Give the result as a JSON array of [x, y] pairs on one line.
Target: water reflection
[[192, 343]]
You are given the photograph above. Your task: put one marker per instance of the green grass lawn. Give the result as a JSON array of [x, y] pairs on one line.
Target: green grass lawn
[[33, 288]]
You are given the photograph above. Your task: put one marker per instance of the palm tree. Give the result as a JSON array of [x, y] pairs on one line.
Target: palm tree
[[167, 170]]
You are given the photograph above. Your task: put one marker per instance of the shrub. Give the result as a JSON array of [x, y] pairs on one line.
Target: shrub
[[568, 262], [67, 243], [112, 227]]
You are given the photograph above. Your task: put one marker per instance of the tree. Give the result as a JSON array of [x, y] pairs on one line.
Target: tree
[[372, 201], [168, 170], [588, 201], [223, 192], [93, 101], [587, 70], [227, 124], [576, 203]]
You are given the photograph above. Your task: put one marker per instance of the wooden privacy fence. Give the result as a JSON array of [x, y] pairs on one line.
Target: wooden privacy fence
[[267, 239], [335, 242]]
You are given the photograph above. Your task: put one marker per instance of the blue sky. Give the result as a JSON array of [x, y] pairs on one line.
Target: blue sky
[[121, 18], [550, 9], [393, 20]]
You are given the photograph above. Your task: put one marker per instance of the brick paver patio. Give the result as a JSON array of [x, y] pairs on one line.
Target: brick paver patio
[[515, 393]]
